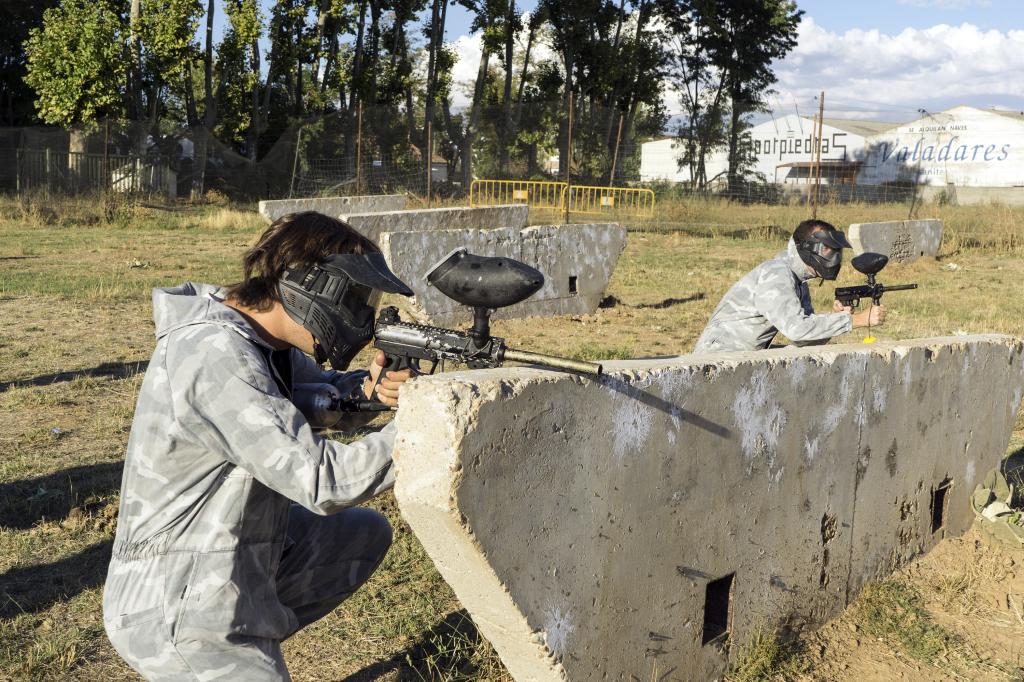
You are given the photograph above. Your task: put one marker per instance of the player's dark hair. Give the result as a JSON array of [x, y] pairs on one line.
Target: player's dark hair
[[299, 239], [804, 229]]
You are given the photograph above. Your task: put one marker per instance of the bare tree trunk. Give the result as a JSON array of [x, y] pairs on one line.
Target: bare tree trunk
[[75, 164], [568, 59], [507, 128]]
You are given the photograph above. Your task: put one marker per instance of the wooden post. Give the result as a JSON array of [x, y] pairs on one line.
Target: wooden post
[[810, 170], [817, 181], [359, 148], [615, 159], [106, 157], [49, 173], [430, 161], [568, 163]]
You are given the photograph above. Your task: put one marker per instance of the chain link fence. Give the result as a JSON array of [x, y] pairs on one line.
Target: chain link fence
[[372, 150]]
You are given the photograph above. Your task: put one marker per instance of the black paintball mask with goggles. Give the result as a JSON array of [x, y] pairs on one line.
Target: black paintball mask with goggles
[[812, 252], [336, 300]]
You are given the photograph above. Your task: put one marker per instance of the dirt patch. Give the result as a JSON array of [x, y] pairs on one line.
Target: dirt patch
[[972, 591]]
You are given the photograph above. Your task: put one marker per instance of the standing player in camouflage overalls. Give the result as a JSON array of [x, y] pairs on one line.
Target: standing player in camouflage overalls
[[774, 297], [213, 564]]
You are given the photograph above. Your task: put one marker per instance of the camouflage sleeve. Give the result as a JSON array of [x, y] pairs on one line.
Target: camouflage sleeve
[[226, 401], [779, 301], [306, 371]]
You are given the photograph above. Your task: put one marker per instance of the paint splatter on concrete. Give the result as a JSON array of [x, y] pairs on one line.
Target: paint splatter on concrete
[[759, 416], [557, 626]]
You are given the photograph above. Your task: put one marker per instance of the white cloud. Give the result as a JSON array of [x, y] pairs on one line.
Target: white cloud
[[939, 67]]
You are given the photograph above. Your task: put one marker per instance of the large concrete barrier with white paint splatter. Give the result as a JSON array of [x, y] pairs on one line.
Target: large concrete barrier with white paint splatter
[[577, 262], [605, 529]]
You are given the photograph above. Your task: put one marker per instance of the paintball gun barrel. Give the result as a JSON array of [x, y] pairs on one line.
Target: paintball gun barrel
[[869, 264]]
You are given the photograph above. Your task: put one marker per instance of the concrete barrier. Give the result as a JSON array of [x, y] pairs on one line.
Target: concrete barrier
[[272, 210], [902, 241], [577, 262], [463, 218], [595, 529]]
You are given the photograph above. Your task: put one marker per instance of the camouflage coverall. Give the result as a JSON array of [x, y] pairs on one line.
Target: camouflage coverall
[[771, 298], [213, 565]]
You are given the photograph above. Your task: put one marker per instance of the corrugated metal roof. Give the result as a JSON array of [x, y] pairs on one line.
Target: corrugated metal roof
[[862, 128]]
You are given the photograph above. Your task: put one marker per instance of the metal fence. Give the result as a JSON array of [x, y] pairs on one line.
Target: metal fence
[[552, 196], [59, 171]]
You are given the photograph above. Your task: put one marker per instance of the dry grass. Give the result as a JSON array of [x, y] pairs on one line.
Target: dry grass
[[76, 332]]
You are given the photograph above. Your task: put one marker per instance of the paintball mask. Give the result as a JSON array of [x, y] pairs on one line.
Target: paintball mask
[[336, 301], [812, 252]]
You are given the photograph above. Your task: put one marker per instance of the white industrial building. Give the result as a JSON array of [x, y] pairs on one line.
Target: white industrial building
[[785, 149], [959, 147]]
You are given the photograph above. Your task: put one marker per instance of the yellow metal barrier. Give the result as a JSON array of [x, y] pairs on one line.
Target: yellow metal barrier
[[536, 195], [635, 203], [550, 196]]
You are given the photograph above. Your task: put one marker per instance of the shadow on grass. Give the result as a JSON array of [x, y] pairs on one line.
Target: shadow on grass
[[25, 502], [118, 369], [669, 302], [37, 588], [450, 650]]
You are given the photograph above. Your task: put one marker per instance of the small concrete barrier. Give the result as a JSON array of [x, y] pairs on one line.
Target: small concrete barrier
[[660, 513], [462, 218], [272, 210], [902, 241], [577, 262]]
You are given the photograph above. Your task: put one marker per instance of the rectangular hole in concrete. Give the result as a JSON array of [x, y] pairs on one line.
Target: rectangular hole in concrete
[[572, 284], [939, 504], [718, 609]]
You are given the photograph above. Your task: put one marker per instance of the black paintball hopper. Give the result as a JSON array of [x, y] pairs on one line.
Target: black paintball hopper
[[484, 281], [869, 263]]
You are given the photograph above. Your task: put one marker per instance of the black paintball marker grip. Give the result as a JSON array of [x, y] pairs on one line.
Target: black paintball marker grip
[[394, 363]]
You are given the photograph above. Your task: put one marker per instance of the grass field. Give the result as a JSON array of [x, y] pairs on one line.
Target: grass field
[[76, 333]]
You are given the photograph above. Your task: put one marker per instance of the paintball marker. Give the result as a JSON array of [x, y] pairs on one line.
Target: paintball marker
[[485, 283], [869, 264]]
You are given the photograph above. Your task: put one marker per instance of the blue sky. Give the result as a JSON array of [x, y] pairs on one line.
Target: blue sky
[[874, 59]]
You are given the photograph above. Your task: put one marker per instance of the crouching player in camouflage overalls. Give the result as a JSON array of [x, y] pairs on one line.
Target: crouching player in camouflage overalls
[[774, 297], [213, 565]]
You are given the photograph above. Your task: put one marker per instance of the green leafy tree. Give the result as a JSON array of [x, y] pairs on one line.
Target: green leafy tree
[[77, 62]]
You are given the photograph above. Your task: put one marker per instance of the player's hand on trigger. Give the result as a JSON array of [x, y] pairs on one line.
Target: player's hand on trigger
[[387, 391]]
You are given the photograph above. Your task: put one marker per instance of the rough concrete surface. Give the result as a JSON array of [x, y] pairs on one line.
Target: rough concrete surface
[[590, 526], [272, 210], [903, 241], [481, 218], [577, 262]]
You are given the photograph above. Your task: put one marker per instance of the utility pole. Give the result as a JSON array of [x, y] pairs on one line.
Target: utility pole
[[817, 181]]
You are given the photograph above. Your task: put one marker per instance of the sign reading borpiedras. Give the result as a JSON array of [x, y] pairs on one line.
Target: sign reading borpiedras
[[903, 241]]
